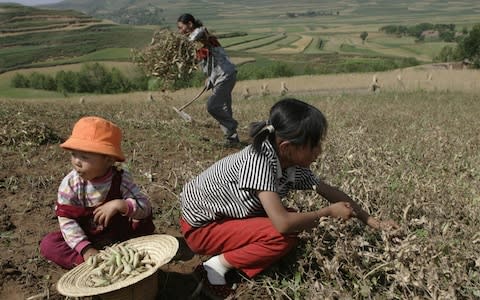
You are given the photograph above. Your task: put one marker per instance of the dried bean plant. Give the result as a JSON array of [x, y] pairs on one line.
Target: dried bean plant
[[117, 263], [19, 131], [170, 57]]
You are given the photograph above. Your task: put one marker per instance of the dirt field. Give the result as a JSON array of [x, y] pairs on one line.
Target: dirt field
[[30, 174], [401, 153]]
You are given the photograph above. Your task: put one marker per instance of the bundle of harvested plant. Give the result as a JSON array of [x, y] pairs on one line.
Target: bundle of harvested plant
[[120, 267], [170, 56]]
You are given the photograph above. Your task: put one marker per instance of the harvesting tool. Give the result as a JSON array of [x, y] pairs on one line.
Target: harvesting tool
[[183, 114]]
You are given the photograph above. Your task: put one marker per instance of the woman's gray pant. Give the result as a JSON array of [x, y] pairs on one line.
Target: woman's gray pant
[[219, 105]]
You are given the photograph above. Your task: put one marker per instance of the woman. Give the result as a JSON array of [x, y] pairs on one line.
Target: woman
[[221, 75]]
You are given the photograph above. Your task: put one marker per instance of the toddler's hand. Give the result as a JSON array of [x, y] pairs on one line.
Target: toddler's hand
[[89, 252], [341, 210], [103, 214]]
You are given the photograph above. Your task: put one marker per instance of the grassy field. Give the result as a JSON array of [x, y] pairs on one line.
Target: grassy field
[[410, 154], [108, 54]]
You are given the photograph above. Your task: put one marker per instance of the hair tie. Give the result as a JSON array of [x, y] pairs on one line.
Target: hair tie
[[270, 128]]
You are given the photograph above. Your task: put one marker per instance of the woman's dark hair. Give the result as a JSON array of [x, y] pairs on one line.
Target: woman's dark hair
[[293, 120], [186, 18]]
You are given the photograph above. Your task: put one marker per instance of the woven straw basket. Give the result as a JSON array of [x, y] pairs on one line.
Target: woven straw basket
[[145, 289], [161, 248]]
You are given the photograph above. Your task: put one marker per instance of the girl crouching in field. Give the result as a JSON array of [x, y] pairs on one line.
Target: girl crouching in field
[[98, 204], [233, 210]]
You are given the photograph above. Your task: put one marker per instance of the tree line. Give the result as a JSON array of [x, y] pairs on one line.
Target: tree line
[[446, 32], [468, 47], [92, 78]]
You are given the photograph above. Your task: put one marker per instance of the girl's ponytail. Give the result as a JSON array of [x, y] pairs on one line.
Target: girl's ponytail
[[260, 131]]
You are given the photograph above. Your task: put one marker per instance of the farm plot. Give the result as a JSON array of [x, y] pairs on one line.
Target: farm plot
[[316, 45], [44, 46], [255, 46], [404, 46], [36, 25], [108, 54], [17, 19], [335, 41], [379, 44], [238, 40], [286, 42], [297, 47]]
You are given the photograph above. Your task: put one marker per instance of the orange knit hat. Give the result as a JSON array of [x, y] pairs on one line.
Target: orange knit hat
[[96, 135]]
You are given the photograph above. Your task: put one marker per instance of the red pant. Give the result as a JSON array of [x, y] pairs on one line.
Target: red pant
[[54, 248], [250, 245]]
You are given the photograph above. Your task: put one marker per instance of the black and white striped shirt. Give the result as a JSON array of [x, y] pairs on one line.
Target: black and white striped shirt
[[228, 188]]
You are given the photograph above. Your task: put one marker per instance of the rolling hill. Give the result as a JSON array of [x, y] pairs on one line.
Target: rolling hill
[[270, 11], [15, 19], [309, 37], [121, 11], [33, 37]]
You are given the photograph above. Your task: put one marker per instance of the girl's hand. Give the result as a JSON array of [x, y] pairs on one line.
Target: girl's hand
[[105, 212], [341, 210]]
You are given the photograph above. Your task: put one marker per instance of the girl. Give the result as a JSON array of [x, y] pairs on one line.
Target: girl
[[97, 204], [221, 75], [233, 210]]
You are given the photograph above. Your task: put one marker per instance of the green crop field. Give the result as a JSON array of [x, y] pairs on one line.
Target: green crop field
[[257, 44], [107, 54], [239, 40], [35, 37], [275, 30], [43, 47], [286, 42]]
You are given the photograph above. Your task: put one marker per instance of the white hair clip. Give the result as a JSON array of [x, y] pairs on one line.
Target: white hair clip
[[270, 128]]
